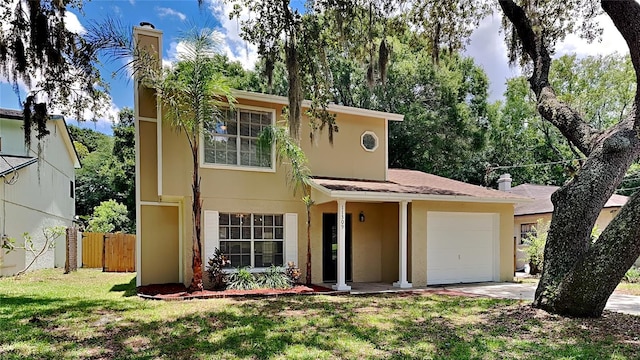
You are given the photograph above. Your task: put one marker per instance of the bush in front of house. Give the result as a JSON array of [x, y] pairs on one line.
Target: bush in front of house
[[242, 279], [215, 270], [293, 272], [535, 247], [274, 278], [632, 275]]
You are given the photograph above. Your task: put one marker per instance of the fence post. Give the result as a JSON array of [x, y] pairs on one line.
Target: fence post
[[71, 250], [104, 245]]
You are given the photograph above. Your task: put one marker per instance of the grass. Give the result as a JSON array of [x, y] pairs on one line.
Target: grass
[[90, 314]]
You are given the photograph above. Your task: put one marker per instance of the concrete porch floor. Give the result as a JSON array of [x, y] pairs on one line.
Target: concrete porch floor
[[359, 288]]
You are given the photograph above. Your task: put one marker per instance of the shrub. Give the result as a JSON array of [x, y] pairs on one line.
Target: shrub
[[215, 270], [535, 247], [632, 275], [109, 216], [274, 278], [293, 272], [242, 279]]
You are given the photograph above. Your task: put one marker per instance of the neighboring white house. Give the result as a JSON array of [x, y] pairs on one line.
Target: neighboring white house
[[35, 191]]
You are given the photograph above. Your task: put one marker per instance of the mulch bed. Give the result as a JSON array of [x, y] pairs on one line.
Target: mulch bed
[[179, 292]]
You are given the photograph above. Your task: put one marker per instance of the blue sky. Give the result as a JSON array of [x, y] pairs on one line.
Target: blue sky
[[173, 16]]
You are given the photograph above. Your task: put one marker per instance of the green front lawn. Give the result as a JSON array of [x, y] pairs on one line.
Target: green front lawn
[[91, 314]]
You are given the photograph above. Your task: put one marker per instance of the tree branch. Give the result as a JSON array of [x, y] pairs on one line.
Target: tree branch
[[625, 15], [567, 120]]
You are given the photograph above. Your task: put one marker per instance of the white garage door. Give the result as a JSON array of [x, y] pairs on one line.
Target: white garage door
[[461, 247]]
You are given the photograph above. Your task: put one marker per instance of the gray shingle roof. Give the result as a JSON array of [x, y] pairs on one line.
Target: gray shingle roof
[[10, 163], [542, 199]]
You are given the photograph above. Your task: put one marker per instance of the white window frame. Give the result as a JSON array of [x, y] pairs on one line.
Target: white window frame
[[238, 108], [525, 234], [252, 241], [368, 132]]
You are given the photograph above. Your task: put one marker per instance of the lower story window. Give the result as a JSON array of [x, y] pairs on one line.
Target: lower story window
[[254, 240], [527, 230]]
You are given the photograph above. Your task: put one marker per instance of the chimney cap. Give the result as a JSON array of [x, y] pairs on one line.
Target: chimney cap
[[147, 24]]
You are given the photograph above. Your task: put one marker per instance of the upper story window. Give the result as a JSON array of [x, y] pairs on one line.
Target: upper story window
[[369, 141], [232, 139]]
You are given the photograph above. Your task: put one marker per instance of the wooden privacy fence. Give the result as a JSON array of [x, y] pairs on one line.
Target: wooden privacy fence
[[111, 252]]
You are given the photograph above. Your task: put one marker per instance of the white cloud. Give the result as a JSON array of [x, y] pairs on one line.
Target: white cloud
[[611, 42], [162, 12], [132, 2], [232, 44], [72, 23], [489, 51]]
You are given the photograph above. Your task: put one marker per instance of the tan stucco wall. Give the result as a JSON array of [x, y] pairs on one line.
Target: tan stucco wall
[[346, 158], [605, 217], [148, 161], [160, 263], [418, 232]]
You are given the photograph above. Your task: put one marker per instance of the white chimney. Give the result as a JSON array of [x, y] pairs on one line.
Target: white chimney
[[504, 183]]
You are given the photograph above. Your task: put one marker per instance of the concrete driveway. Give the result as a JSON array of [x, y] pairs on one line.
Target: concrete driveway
[[628, 304]]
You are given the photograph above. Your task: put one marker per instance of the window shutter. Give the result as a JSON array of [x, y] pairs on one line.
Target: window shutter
[[291, 238], [211, 238]]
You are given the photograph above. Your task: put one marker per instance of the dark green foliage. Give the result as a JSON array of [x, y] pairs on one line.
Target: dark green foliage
[[445, 110], [108, 170], [215, 269], [34, 39]]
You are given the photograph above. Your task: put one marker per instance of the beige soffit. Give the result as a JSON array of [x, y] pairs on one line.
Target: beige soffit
[[408, 185], [341, 109], [541, 195]]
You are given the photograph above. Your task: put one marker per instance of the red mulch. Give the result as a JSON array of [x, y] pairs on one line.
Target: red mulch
[[179, 292]]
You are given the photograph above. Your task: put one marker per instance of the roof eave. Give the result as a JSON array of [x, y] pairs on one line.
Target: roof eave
[[281, 100], [18, 167]]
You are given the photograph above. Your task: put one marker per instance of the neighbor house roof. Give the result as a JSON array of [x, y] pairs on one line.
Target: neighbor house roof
[[542, 199], [12, 114], [10, 163], [410, 185]]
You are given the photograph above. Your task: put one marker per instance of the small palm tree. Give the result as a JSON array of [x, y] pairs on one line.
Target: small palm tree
[[191, 92], [288, 152]]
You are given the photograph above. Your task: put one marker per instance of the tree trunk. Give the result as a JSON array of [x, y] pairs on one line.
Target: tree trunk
[[196, 259], [578, 277]]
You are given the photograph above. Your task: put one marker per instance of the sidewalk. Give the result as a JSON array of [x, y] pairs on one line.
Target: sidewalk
[[628, 304]]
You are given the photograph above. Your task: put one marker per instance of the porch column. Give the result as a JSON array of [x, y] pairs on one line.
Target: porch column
[[402, 248], [341, 274]]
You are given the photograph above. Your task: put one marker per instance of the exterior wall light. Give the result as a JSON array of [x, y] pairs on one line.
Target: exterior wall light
[[361, 217]]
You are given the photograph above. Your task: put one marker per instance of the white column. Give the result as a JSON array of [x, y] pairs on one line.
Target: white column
[[341, 274], [402, 276]]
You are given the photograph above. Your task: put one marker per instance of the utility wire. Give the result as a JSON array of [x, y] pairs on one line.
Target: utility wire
[[15, 175], [492, 168]]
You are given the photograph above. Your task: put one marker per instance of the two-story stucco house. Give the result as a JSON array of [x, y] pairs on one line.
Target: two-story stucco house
[[369, 223], [35, 191]]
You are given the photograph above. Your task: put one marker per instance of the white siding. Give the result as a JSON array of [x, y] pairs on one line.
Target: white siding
[[40, 198]]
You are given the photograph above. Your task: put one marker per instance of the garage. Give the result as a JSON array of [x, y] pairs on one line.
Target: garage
[[462, 247]]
